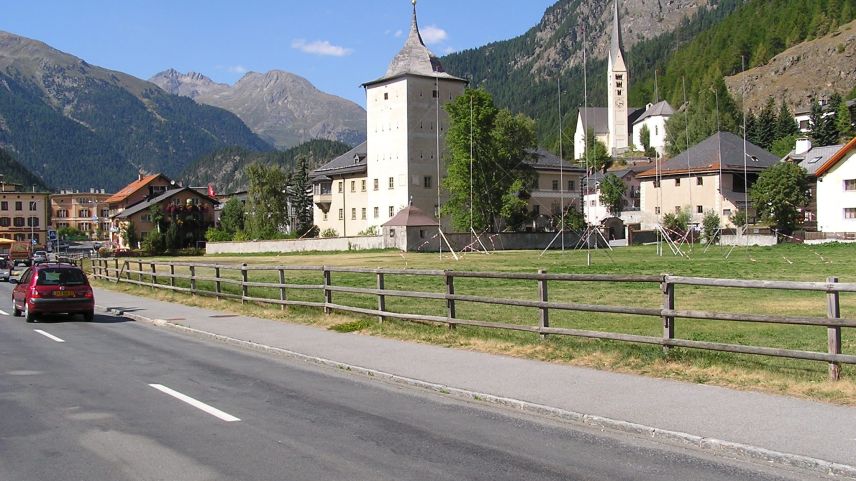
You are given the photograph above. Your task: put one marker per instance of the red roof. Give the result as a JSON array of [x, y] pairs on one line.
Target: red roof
[[134, 186], [836, 158]]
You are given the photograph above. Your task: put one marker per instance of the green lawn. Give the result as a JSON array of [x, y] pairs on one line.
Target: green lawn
[[789, 262]]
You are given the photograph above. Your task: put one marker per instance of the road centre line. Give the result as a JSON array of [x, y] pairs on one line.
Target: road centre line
[[49, 336], [197, 404]]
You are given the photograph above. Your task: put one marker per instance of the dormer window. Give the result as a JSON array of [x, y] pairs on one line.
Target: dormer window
[[356, 159]]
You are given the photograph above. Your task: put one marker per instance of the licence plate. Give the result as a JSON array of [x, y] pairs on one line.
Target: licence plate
[[63, 293]]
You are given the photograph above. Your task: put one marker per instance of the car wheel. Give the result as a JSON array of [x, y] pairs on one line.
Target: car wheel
[[29, 315], [88, 316], [15, 311]]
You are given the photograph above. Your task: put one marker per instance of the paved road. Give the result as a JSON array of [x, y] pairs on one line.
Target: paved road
[[115, 400]]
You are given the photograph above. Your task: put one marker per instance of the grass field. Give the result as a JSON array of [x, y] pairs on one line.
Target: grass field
[[788, 262]]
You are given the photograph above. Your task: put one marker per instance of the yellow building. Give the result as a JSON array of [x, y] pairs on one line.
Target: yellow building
[[24, 216]]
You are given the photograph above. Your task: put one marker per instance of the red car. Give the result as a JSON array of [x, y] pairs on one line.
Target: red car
[[53, 288]]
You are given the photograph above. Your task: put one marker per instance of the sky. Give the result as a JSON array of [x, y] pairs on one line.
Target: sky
[[336, 44]]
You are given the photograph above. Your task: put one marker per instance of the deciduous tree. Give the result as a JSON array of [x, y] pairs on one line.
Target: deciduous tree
[[266, 201], [778, 195], [612, 191]]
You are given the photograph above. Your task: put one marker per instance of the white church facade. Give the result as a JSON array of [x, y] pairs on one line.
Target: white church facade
[[617, 125]]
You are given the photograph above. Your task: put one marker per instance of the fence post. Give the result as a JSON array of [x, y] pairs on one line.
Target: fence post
[[192, 280], [116, 270], [140, 270], [172, 274], [244, 289], [668, 290], [833, 333], [545, 314], [127, 266], [450, 303], [283, 295], [328, 294], [381, 299], [154, 275], [217, 282]]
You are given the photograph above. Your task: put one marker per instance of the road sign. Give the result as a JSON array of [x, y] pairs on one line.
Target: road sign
[[52, 235], [34, 241]]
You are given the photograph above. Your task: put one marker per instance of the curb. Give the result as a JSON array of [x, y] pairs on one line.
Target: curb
[[712, 445]]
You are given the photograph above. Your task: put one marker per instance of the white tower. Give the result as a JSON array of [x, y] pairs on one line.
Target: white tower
[[406, 129], [619, 84]]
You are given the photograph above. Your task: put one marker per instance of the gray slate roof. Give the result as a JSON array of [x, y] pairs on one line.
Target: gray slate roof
[[546, 160], [616, 48], [351, 162], [704, 157], [597, 118], [415, 58], [661, 108], [157, 200], [814, 158]]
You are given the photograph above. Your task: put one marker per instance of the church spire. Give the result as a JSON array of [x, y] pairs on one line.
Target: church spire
[[616, 51]]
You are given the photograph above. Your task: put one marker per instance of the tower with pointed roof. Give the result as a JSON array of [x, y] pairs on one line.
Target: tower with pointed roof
[[406, 128], [619, 83]]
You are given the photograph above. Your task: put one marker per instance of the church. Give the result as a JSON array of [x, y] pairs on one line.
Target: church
[[617, 125]]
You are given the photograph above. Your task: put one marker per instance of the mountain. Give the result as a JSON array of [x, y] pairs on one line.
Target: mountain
[[225, 168], [521, 73], [281, 107], [692, 41], [812, 69], [78, 125], [15, 173]]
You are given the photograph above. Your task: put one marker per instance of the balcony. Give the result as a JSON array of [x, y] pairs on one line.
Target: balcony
[[323, 200]]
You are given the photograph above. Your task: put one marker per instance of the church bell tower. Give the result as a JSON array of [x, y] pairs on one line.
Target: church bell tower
[[619, 84]]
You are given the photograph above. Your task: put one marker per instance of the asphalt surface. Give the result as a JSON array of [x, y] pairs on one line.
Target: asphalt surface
[[89, 401]]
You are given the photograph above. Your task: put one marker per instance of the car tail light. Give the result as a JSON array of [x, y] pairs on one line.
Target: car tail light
[[35, 292], [88, 293]]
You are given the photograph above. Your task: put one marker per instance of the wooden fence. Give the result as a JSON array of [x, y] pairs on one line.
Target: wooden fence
[[162, 275]]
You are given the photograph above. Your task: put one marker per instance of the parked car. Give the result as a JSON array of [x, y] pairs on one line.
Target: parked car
[[5, 269], [50, 288], [19, 253], [39, 257]]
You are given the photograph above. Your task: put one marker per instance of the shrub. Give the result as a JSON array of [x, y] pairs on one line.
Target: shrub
[[217, 235], [326, 233], [710, 227], [371, 231]]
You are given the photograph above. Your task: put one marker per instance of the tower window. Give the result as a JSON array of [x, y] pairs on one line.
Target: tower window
[[619, 91], [386, 96], [434, 93]]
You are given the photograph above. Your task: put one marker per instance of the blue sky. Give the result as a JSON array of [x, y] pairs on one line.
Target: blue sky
[[336, 44]]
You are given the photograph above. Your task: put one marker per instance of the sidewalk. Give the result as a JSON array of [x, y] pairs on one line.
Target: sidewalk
[[763, 426]]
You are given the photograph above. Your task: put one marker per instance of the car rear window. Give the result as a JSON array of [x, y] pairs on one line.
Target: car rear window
[[61, 277]]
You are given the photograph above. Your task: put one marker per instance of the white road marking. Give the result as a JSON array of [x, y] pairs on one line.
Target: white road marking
[[49, 336], [197, 404], [4, 312]]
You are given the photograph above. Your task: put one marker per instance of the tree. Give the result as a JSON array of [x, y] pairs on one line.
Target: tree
[[502, 145], [766, 125], [785, 124], [739, 218], [129, 235], [301, 199], [823, 131], [595, 156], [710, 226], [677, 223], [778, 195], [844, 123], [232, 217], [645, 138], [266, 201], [612, 191], [157, 217]]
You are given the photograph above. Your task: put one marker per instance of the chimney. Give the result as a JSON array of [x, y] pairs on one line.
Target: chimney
[[803, 145], [140, 176], [91, 190]]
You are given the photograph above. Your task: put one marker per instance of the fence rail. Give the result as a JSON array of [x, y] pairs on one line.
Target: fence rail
[[162, 275]]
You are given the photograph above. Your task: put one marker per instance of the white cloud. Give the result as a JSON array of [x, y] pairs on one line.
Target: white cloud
[[320, 47], [433, 34], [237, 69]]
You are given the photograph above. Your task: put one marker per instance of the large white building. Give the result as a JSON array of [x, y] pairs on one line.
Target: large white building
[[401, 162], [836, 191]]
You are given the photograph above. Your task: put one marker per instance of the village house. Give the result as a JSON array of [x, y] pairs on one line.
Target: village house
[[836, 191], [24, 216], [87, 212], [713, 175], [654, 118], [811, 159]]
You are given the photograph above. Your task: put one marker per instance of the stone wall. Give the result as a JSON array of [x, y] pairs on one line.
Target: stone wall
[[296, 245]]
